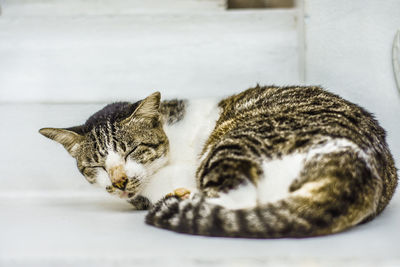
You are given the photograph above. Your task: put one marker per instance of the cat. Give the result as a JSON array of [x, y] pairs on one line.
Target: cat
[[269, 162]]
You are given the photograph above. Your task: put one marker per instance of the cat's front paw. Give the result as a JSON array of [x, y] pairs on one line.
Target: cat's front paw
[[171, 207], [140, 203], [181, 193]]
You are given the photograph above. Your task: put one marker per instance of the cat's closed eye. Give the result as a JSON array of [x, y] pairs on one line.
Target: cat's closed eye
[[92, 167], [131, 151], [91, 170], [98, 166], [142, 148]]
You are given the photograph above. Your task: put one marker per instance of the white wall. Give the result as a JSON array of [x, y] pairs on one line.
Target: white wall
[[74, 52], [349, 51]]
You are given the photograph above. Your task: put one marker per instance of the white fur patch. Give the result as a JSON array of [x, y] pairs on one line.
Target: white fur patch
[[278, 176], [113, 159], [335, 145], [134, 169], [243, 197], [186, 139], [155, 165], [280, 173], [102, 178]]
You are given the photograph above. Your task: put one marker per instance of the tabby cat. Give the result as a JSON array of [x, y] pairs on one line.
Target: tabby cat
[[266, 163]]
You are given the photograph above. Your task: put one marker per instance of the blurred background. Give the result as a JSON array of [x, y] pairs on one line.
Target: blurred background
[[62, 60], [100, 51], [56, 51]]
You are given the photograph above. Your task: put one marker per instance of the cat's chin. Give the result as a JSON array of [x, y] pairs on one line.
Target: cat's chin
[[125, 195]]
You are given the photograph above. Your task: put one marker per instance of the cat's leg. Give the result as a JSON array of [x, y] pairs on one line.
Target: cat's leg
[[140, 203], [228, 176]]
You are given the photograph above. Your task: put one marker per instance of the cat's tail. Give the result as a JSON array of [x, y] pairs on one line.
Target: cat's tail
[[295, 216], [331, 199]]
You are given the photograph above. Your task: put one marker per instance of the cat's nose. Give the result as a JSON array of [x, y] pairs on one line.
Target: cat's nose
[[121, 183], [118, 177]]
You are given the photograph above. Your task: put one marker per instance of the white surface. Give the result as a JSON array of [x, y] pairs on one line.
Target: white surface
[[50, 216], [100, 58], [21, 168], [96, 232]]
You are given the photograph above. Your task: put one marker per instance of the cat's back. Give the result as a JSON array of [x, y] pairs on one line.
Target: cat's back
[[280, 114]]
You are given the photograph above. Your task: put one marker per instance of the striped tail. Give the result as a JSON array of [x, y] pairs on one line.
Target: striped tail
[[291, 217]]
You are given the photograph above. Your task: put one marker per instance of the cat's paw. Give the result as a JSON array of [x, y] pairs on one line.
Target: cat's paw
[[167, 206], [181, 193], [171, 207], [140, 203]]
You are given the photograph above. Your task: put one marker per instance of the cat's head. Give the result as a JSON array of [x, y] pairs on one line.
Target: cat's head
[[119, 147]]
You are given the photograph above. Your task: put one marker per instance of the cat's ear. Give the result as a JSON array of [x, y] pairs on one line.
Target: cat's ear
[[148, 108], [69, 138]]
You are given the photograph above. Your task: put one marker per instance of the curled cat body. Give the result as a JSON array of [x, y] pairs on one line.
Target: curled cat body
[[268, 162]]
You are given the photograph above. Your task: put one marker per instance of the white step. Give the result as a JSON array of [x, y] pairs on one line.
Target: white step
[[102, 58], [96, 232], [23, 8]]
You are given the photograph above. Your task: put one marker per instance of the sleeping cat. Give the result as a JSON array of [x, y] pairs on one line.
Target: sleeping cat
[[266, 163]]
